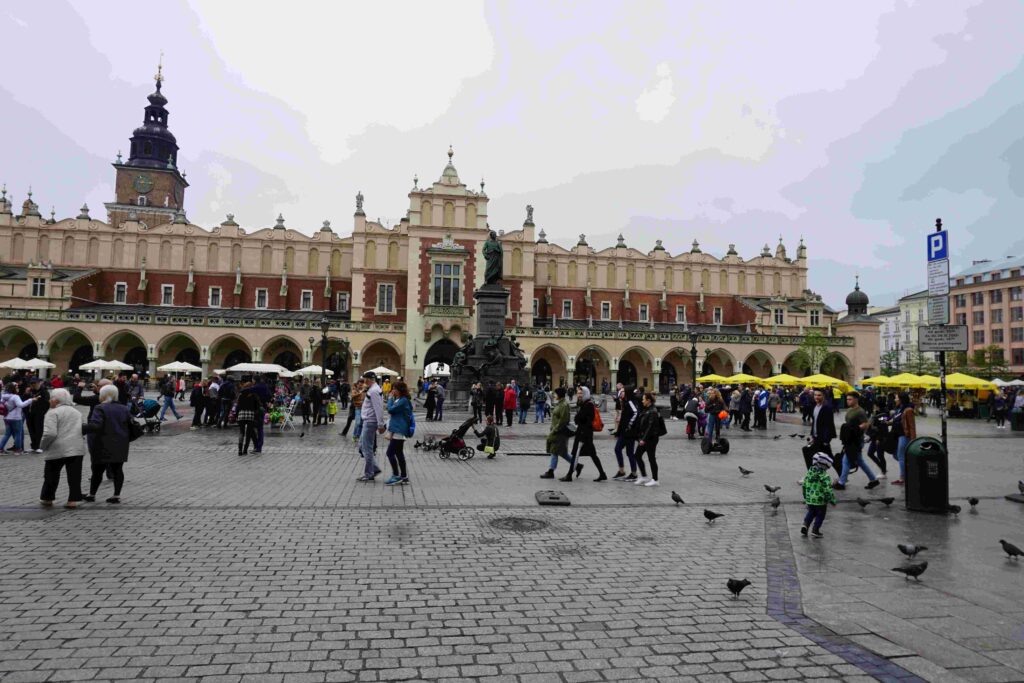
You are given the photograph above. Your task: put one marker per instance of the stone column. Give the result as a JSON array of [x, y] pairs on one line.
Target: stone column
[[656, 378]]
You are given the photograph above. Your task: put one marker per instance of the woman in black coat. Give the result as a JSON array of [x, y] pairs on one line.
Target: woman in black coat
[[248, 413], [648, 432], [110, 425], [431, 402], [583, 444], [197, 400]]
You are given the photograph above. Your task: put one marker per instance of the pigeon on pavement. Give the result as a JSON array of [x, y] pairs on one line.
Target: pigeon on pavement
[[888, 501], [771, 489], [863, 503], [711, 516], [777, 437], [677, 498], [914, 570], [736, 586], [911, 550], [1011, 550], [776, 503], [954, 509], [796, 436], [973, 501], [744, 471]]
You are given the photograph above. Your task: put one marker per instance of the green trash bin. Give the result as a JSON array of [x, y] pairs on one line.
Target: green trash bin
[[983, 411], [1017, 422], [927, 485]]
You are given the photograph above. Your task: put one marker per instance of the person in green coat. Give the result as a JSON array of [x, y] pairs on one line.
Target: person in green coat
[[558, 436], [818, 493]]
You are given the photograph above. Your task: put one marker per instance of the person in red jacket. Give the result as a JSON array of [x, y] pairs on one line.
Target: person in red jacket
[[511, 403]]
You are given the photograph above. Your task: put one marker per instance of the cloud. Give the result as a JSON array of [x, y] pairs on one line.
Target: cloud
[[654, 103]]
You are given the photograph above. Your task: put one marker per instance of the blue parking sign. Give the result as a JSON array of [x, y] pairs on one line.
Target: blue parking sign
[[938, 245]]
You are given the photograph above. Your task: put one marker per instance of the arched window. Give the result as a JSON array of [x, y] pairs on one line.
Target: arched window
[[573, 279], [213, 257], [649, 277], [267, 260], [670, 279], [449, 215], [69, 251], [776, 284], [631, 275], [794, 285], [147, 148], [289, 259], [370, 255], [117, 257], [552, 272], [93, 256], [43, 250], [190, 255], [236, 255], [141, 254], [742, 286], [426, 214], [471, 215], [141, 200], [592, 273], [336, 262], [723, 281], [687, 280], [759, 283], [610, 276], [165, 254], [392, 255], [313, 264], [19, 247], [705, 279], [517, 261]]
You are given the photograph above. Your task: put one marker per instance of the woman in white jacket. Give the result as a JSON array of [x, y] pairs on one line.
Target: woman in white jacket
[[63, 446]]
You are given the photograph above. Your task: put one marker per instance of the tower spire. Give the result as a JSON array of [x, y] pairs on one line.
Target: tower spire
[[159, 78]]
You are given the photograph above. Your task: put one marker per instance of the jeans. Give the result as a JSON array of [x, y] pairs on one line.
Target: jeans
[[367, 448], [258, 446], [439, 410], [169, 403], [901, 455], [713, 428], [358, 428], [538, 415], [396, 456], [855, 454], [523, 410], [625, 442], [51, 478], [554, 462], [815, 513], [14, 429]]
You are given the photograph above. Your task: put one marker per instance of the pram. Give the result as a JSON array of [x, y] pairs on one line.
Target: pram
[[455, 443], [147, 411]]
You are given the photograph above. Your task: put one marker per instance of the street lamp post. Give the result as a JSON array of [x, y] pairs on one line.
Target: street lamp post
[[325, 326], [693, 356]]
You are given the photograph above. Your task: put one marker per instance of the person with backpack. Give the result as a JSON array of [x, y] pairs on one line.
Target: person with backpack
[[540, 400], [167, 391], [625, 434], [588, 422], [691, 414], [401, 426], [650, 429]]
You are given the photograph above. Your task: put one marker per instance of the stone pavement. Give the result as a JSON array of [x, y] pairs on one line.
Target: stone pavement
[[281, 567]]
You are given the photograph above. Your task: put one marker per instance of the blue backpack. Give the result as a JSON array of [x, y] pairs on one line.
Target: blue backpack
[[412, 423]]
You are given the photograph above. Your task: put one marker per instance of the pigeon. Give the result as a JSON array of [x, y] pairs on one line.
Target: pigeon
[[914, 570], [776, 437], [1011, 550], [973, 501], [736, 586], [712, 516], [1020, 485], [911, 550], [776, 503], [771, 489], [677, 498], [888, 501], [863, 503], [955, 509], [744, 471], [796, 436]]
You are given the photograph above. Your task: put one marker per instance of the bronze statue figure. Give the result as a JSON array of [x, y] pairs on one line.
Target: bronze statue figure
[[493, 255]]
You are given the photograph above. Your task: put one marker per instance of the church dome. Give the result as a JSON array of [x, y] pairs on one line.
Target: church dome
[[857, 301]]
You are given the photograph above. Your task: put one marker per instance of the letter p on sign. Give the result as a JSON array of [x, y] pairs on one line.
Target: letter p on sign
[[938, 247]]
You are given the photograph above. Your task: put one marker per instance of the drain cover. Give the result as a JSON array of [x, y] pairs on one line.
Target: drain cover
[[518, 524]]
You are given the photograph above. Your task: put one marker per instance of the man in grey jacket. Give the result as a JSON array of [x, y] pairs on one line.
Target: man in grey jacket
[[374, 422]]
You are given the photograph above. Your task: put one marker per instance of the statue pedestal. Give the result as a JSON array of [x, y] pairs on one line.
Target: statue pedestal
[[491, 356]]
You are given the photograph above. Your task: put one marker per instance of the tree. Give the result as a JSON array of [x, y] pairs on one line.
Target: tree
[[921, 364], [989, 363], [888, 362], [812, 354], [956, 361]]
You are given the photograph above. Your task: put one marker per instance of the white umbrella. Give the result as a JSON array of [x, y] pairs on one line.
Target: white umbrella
[[1000, 383], [15, 364], [381, 370], [437, 370], [179, 366], [104, 365], [257, 368], [313, 371], [1016, 383], [39, 364], [285, 374]]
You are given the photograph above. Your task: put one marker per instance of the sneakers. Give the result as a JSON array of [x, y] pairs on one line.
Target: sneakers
[[630, 478], [803, 531], [882, 475], [548, 475], [602, 477], [817, 533], [403, 480], [38, 450], [392, 480], [619, 476], [364, 478], [872, 484], [46, 503], [838, 487], [652, 482], [640, 481], [897, 482]]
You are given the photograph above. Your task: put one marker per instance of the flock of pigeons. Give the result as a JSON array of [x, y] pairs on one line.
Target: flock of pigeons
[[909, 570]]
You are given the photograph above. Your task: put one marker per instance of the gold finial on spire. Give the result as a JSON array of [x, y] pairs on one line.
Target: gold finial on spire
[[159, 78], [451, 153]]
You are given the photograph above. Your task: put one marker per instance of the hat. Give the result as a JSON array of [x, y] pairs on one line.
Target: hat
[[370, 374], [822, 459]]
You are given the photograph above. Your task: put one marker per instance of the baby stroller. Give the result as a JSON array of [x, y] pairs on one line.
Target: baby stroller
[[455, 443], [147, 411]]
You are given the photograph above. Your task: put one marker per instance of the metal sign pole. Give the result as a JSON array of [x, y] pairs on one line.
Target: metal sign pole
[[943, 398]]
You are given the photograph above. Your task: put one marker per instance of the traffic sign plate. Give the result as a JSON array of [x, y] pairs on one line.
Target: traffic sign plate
[[938, 310], [938, 277], [942, 338], [938, 245]]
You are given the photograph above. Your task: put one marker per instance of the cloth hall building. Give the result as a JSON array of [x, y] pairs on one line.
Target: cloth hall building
[[147, 286]]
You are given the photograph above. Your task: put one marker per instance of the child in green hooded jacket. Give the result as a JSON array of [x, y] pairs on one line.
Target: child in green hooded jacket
[[818, 494]]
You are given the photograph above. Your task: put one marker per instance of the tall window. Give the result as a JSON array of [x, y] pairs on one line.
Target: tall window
[[606, 310], [536, 308], [120, 292], [1016, 293], [643, 312], [996, 296], [997, 315], [566, 309], [815, 318], [306, 300], [447, 279], [961, 318], [718, 315], [343, 302], [1017, 334], [38, 286], [977, 298], [960, 300], [1016, 314], [261, 298], [978, 317], [780, 316], [997, 336], [214, 298], [979, 336], [167, 295], [1017, 356], [385, 298], [680, 313]]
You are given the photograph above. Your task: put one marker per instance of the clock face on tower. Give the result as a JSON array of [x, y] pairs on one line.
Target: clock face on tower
[[142, 184]]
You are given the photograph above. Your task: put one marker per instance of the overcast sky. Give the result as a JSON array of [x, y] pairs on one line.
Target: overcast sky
[[853, 124]]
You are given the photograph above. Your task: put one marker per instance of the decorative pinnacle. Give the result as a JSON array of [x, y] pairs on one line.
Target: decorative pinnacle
[[52, 212], [3, 193], [280, 222], [451, 153], [30, 192], [416, 181], [482, 184], [118, 156], [326, 226], [159, 78], [856, 281], [621, 241]]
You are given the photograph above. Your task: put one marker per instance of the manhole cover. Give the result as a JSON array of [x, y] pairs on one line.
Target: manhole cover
[[518, 524]]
